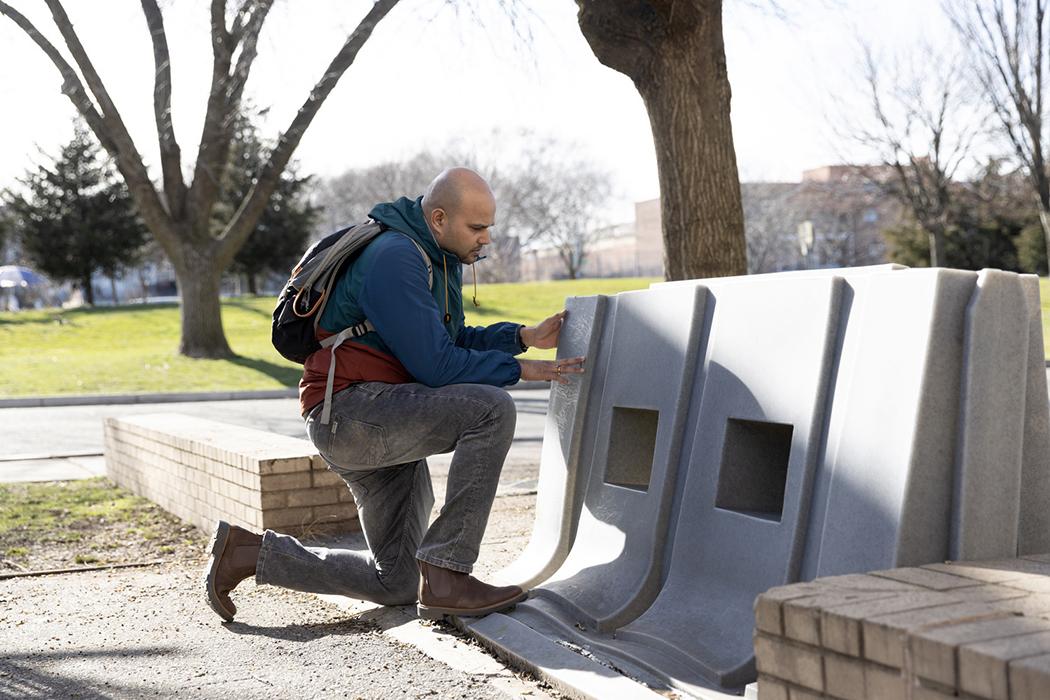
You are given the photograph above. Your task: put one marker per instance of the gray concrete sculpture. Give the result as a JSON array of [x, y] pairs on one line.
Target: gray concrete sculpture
[[613, 573], [754, 431], [1033, 530], [561, 476]]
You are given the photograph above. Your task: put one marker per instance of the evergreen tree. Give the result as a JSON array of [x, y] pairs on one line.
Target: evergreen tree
[[77, 217], [279, 239]]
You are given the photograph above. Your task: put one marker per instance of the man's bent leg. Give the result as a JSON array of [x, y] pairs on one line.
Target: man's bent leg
[[377, 424], [393, 505], [485, 418]]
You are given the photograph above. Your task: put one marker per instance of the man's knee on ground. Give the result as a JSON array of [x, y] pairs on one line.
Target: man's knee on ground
[[400, 586]]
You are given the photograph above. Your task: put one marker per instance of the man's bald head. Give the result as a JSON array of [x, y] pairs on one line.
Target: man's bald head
[[449, 189], [459, 209]]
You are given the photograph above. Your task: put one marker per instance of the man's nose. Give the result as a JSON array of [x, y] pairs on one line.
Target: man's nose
[[486, 238]]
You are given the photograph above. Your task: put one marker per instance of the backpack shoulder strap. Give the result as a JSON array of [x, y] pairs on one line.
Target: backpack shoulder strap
[[426, 261], [356, 331]]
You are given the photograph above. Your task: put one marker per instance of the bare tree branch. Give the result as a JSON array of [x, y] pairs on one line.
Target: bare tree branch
[[217, 130], [249, 38], [240, 226], [240, 19], [170, 153], [112, 117], [923, 130], [117, 144], [1008, 52]]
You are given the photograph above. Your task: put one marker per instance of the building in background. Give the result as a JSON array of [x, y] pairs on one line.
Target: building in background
[[631, 249], [833, 217]]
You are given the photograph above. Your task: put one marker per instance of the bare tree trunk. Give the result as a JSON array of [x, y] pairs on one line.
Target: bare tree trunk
[[200, 310], [252, 288], [703, 220], [937, 253], [674, 53], [113, 290], [89, 292]]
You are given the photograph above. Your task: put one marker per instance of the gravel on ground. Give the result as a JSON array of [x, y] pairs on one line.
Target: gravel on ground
[[133, 633]]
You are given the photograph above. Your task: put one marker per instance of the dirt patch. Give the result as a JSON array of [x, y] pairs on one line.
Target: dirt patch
[[92, 522], [89, 522]]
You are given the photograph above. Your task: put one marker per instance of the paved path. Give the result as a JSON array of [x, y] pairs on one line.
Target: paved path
[[148, 633], [52, 443]]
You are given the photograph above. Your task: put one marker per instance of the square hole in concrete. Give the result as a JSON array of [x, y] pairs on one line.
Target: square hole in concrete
[[754, 468], [632, 444]]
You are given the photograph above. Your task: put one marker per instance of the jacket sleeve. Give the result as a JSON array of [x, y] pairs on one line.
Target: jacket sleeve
[[498, 336], [396, 299]]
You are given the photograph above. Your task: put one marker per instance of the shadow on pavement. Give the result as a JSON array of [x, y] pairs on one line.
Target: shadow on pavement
[[22, 677], [351, 626], [247, 307], [289, 376]]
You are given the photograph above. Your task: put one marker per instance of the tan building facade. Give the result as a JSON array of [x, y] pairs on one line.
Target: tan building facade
[[836, 209], [632, 249]]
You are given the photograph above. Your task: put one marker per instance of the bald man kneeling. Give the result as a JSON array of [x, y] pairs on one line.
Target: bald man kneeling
[[422, 383]]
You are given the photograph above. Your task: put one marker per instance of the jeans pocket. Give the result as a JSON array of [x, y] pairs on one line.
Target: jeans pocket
[[354, 443]]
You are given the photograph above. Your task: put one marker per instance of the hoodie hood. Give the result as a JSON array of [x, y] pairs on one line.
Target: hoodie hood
[[406, 216]]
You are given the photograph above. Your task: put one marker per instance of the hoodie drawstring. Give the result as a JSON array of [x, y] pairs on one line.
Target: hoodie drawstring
[[444, 264], [474, 271]]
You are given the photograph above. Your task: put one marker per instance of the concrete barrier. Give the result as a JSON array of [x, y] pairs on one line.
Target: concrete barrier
[[836, 422], [613, 571], [987, 483], [561, 476], [745, 498], [1033, 530]]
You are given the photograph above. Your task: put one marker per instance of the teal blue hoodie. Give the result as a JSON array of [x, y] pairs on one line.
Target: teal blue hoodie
[[387, 284]]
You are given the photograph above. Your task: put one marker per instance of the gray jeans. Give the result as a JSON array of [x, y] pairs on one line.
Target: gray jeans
[[378, 440]]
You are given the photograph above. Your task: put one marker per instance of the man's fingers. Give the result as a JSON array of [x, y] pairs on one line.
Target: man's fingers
[[572, 365]]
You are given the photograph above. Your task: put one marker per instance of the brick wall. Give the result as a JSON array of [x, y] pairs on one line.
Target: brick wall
[[202, 471], [977, 630]]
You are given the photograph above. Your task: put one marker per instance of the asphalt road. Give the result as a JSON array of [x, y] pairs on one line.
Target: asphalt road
[[63, 430]]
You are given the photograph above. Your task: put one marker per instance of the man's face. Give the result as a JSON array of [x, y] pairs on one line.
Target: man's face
[[464, 229]]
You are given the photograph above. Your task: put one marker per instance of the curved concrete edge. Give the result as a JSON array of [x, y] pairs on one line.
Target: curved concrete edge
[[569, 672], [181, 397]]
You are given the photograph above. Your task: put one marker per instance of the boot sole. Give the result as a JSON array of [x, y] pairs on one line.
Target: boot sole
[[215, 548], [426, 612]]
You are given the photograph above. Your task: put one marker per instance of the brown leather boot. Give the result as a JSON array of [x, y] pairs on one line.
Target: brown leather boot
[[234, 552], [446, 592]]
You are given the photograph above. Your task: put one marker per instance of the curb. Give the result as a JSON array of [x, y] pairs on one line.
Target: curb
[[116, 399], [45, 456]]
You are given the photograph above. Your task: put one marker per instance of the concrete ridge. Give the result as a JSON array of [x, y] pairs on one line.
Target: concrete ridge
[[179, 397]]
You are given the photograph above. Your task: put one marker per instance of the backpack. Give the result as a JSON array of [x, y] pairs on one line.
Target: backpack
[[301, 304]]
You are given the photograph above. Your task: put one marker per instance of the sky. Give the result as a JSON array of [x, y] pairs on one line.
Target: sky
[[430, 75]]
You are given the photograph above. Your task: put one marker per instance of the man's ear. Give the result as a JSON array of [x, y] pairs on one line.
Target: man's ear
[[438, 220]]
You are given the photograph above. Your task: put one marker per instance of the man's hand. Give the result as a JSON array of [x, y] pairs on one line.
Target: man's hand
[[544, 335], [551, 370]]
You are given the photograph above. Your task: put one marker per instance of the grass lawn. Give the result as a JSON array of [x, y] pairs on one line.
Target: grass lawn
[[131, 348], [84, 522]]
